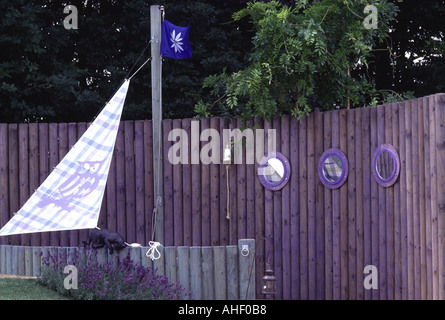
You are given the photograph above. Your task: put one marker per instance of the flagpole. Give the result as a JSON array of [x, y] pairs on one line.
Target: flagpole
[[156, 104]]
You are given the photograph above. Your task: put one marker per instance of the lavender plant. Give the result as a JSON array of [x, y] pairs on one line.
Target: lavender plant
[[115, 280]]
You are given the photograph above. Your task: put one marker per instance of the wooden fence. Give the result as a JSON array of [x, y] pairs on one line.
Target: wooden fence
[[208, 273], [317, 240]]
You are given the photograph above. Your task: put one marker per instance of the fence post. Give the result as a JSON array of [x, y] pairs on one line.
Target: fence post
[[246, 259]]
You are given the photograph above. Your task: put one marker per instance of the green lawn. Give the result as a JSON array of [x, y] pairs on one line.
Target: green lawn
[[26, 289]]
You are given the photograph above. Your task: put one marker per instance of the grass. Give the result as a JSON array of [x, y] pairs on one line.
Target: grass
[[26, 289]]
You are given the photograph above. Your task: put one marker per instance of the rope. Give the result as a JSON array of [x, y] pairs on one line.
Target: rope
[[137, 60], [153, 252], [149, 59]]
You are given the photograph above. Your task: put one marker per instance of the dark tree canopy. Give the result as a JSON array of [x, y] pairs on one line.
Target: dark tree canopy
[[50, 74]]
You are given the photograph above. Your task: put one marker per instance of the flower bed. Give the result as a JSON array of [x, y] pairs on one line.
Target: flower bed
[[115, 280]]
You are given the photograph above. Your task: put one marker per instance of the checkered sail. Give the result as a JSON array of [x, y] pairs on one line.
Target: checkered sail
[[71, 196]]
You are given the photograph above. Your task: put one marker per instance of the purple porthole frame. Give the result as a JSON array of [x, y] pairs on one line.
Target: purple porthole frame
[[345, 168], [287, 171], [396, 163]]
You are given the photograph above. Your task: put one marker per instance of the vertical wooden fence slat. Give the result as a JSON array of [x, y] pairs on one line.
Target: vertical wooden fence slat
[[4, 170], [170, 263], [440, 163], [13, 178], [14, 260], [295, 214], [422, 206], [214, 186], [233, 179], [389, 194], [374, 201], [403, 203], [196, 184], [148, 179], [409, 194], [336, 216], [2, 259], [139, 182], [130, 214], [110, 197], [268, 210], [36, 265], [304, 273], [383, 285], [184, 269], [8, 256], [195, 273], [250, 183], [43, 166], [72, 237], [366, 163], [63, 148], [53, 161], [348, 287], [434, 191], [246, 260], [415, 195], [319, 209], [208, 283], [277, 220], [223, 208], [120, 181], [28, 262], [187, 186], [428, 220], [351, 223], [327, 214], [232, 271], [397, 215], [169, 231], [240, 184], [311, 235], [205, 192], [177, 193], [82, 233], [25, 239], [261, 255], [219, 262]]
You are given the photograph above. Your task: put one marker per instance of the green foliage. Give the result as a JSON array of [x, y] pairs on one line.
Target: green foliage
[[300, 59], [50, 74]]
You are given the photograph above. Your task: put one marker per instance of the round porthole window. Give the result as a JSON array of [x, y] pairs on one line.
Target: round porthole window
[[333, 168], [274, 171], [386, 165]]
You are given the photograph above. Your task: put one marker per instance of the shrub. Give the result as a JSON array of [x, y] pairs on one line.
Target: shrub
[[115, 280]]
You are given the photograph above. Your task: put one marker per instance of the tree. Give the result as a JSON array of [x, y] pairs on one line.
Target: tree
[[306, 56], [413, 59], [50, 74]]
